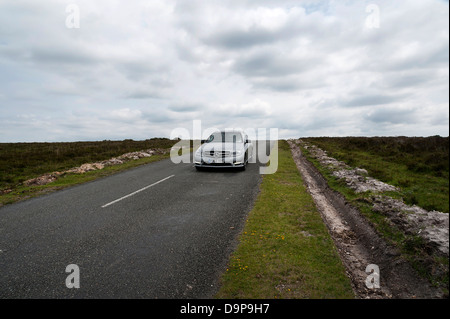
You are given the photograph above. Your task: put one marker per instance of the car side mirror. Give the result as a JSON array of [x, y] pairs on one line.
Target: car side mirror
[[247, 141], [202, 141]]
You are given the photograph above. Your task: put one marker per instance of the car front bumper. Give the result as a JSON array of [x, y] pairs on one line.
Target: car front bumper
[[204, 161]]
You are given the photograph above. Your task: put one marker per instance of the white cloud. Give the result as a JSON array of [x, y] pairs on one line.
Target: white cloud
[[138, 69], [252, 109], [126, 114]]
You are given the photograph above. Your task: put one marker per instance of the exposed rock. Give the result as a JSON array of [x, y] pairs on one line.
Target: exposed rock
[[87, 167], [41, 180], [160, 151], [355, 178], [5, 191], [359, 245], [112, 161], [141, 154], [432, 226], [361, 171], [144, 154], [360, 183], [98, 165], [324, 159]]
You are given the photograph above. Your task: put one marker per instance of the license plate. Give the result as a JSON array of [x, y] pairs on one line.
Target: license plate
[[218, 161]]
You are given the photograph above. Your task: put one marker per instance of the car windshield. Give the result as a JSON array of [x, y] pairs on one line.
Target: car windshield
[[226, 137]]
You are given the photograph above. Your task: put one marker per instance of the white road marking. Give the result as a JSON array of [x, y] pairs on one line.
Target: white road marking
[[138, 191]]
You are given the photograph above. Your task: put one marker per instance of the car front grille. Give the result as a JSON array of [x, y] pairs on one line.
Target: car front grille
[[217, 154]]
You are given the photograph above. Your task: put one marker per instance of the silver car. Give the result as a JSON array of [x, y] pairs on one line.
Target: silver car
[[224, 149]]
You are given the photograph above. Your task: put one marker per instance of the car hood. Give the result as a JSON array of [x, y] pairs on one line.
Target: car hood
[[222, 146]]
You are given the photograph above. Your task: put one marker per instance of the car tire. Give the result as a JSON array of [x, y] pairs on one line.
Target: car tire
[[245, 161]]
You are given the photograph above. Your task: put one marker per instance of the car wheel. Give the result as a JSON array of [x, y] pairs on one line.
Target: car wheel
[[245, 161]]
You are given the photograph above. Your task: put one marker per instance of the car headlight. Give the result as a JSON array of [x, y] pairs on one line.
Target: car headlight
[[198, 152], [237, 153]]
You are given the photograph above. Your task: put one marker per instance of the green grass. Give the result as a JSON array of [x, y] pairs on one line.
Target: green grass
[[23, 161], [374, 159], [285, 250], [418, 166], [21, 192]]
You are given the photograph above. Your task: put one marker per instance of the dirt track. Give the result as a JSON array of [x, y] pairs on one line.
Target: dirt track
[[358, 243]]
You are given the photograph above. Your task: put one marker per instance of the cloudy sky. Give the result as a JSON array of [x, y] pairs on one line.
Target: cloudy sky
[[139, 69]]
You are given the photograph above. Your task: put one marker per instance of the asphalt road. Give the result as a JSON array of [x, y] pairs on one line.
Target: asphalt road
[[161, 230]]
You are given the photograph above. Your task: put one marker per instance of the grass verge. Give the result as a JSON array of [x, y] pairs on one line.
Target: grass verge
[[419, 166], [411, 246], [285, 250], [22, 161]]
